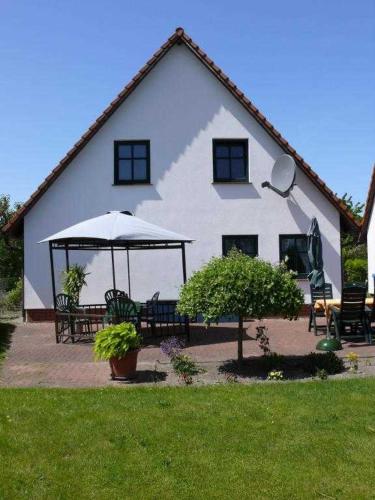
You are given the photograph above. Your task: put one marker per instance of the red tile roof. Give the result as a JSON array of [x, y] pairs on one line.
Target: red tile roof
[[369, 207], [178, 37]]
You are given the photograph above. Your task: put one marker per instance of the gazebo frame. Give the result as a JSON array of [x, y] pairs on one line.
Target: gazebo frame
[[84, 244], [112, 246]]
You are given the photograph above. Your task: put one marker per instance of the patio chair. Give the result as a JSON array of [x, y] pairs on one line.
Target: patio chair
[[350, 319], [150, 312], [318, 294], [120, 309], [77, 326], [113, 293]]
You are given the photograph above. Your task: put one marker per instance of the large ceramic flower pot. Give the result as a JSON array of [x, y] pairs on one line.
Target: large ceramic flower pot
[[126, 367]]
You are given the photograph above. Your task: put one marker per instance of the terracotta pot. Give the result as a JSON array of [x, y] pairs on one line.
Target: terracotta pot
[[124, 368]]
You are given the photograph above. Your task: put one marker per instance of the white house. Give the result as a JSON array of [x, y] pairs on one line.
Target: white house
[[181, 147], [368, 231]]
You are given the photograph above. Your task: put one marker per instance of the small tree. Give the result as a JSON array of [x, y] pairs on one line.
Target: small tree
[[240, 285]]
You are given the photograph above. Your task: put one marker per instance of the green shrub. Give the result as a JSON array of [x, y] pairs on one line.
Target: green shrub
[[355, 270], [13, 299], [240, 285], [327, 361], [115, 341], [73, 280]]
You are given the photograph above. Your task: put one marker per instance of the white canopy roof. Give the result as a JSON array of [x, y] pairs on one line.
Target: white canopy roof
[[117, 226]]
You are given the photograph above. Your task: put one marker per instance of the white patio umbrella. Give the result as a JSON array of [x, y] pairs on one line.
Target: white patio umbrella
[[117, 226]]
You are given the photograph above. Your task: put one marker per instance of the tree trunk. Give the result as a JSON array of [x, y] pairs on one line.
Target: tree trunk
[[240, 340]]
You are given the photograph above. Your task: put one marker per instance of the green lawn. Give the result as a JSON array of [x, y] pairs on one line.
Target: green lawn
[[283, 440]]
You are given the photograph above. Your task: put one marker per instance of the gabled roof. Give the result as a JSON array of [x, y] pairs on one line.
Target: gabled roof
[[369, 207], [179, 37]]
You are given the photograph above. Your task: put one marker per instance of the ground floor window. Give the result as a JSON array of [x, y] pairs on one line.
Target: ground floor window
[[248, 244], [293, 251]]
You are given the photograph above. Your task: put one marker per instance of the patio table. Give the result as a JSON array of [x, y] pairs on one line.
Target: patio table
[[331, 303]]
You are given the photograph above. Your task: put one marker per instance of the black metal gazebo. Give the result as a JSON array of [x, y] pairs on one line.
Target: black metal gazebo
[[113, 232]]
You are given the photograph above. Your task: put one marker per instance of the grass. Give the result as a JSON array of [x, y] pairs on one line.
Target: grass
[[283, 440]]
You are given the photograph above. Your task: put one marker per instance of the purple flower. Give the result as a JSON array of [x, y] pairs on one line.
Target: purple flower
[[172, 347]]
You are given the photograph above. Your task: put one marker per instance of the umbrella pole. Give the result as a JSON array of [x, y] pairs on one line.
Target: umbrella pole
[[328, 333], [128, 265]]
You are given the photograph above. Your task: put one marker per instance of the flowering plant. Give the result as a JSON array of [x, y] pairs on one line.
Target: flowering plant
[[276, 375], [172, 347]]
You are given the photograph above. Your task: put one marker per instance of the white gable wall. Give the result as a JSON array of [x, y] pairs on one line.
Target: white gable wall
[[371, 250], [180, 107]]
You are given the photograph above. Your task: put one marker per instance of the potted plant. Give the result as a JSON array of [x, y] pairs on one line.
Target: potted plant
[[73, 280], [119, 344]]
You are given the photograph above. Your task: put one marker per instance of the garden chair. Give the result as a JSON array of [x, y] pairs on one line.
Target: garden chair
[[150, 312], [121, 309], [350, 319], [112, 294], [77, 326], [318, 294]]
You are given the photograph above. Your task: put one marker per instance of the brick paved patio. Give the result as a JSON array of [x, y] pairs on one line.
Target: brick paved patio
[[34, 359]]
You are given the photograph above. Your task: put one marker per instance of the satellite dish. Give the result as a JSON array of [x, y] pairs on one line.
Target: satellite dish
[[283, 176]]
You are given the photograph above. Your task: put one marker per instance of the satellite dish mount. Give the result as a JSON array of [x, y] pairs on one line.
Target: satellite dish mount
[[283, 176]]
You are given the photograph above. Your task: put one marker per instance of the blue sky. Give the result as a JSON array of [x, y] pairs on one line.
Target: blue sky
[[308, 66]]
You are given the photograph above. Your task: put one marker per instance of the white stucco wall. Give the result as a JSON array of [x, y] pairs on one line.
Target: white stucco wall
[[180, 107], [371, 250]]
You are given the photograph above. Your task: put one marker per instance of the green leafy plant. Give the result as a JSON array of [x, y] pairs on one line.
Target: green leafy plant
[[115, 341], [73, 280], [185, 368], [276, 375], [243, 286], [353, 360], [355, 270], [13, 299], [327, 361], [11, 250], [356, 208], [322, 374]]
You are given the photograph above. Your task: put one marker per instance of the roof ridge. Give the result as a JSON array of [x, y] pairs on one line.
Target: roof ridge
[[179, 36]]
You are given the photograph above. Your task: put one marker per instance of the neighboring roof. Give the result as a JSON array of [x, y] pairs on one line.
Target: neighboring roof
[[369, 207], [179, 37], [116, 227]]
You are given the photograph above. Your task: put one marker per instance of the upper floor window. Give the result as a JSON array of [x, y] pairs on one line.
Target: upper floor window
[[293, 251], [247, 244], [230, 160], [132, 162]]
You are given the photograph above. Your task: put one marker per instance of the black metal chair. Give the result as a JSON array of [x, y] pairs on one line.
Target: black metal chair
[[121, 309], [78, 326], [350, 319], [113, 294], [150, 312], [318, 294]]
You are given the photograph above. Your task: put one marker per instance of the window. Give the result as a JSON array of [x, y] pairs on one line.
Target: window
[[293, 251], [230, 160], [132, 162], [246, 244]]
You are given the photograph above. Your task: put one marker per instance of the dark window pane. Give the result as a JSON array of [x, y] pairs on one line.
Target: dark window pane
[[139, 151], [222, 169], [124, 151], [238, 170], [286, 243], [125, 170], [221, 151], [140, 170], [246, 244], [301, 244], [237, 152], [294, 254]]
